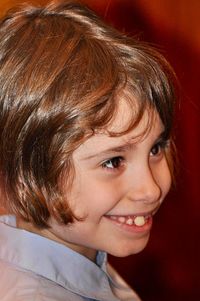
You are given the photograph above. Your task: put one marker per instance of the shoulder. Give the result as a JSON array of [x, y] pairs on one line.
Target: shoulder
[[21, 285]]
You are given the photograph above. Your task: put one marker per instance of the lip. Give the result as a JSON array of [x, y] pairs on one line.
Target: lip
[[144, 213], [133, 228]]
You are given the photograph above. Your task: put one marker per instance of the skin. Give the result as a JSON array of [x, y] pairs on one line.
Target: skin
[[114, 176]]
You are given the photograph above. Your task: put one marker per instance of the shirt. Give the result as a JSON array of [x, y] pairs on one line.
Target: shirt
[[35, 268]]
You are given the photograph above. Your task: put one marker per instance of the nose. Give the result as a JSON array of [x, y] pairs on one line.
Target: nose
[[144, 187]]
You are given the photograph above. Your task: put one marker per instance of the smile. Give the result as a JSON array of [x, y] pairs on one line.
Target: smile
[[137, 220]]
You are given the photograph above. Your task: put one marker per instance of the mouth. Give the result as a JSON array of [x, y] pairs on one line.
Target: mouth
[[137, 220]]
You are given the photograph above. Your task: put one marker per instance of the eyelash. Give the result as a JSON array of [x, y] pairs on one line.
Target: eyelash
[[118, 161], [160, 146]]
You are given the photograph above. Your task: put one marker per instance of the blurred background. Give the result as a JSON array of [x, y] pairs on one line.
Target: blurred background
[[169, 268]]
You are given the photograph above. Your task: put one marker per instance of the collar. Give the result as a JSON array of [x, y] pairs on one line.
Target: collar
[[54, 261]]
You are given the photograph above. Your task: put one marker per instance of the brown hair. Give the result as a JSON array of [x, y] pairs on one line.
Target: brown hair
[[61, 69]]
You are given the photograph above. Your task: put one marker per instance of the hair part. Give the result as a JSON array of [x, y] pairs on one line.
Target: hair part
[[62, 71]]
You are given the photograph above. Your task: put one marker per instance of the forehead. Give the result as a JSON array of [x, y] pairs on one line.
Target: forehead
[[131, 116], [126, 111], [101, 141]]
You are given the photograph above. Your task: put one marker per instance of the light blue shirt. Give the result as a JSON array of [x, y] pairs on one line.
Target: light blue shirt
[[34, 268]]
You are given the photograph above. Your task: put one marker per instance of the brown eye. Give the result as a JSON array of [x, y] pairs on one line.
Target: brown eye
[[156, 149], [113, 163], [159, 147]]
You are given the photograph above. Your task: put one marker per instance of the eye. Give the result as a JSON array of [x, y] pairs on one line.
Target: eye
[[113, 163], [158, 148]]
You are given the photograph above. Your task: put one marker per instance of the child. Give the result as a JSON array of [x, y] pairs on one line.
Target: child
[[85, 126]]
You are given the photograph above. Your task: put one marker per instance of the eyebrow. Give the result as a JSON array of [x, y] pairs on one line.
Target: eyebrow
[[117, 149], [124, 147]]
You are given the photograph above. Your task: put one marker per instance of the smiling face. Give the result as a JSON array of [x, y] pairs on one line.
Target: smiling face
[[119, 184]]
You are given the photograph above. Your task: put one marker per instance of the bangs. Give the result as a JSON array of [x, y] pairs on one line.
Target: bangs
[[138, 76], [129, 112]]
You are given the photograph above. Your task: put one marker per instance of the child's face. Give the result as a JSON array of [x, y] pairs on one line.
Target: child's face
[[116, 180]]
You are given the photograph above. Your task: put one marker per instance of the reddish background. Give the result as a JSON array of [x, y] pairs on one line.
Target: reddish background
[[168, 269]]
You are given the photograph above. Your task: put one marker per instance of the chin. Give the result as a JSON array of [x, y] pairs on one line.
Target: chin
[[128, 249]]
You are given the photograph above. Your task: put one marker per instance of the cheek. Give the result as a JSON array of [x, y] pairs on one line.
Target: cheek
[[164, 178], [94, 197]]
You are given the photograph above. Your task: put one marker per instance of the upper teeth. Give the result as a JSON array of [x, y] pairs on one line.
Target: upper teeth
[[130, 220], [139, 220]]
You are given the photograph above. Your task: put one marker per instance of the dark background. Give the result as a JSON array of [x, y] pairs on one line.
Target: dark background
[[168, 269]]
